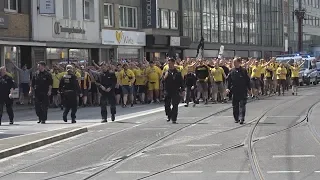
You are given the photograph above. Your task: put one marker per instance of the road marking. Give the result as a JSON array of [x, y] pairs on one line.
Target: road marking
[[282, 172], [159, 128], [317, 171], [283, 116], [32, 172], [293, 156], [132, 172], [232, 172], [203, 145], [182, 154], [186, 172]]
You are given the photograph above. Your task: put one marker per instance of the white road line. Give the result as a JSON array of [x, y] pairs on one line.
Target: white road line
[[232, 172], [203, 145], [293, 156], [32, 172], [317, 171], [132, 172], [282, 172], [186, 172]]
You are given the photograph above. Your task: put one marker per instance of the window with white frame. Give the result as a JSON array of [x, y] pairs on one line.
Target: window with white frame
[[65, 9], [108, 15], [11, 5], [88, 10], [164, 18], [128, 17], [173, 19]]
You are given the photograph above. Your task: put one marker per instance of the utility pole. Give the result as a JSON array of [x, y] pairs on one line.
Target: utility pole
[[300, 14], [201, 21]]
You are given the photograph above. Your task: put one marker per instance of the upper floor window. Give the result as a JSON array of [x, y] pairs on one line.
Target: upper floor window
[[11, 5], [65, 9], [164, 18], [73, 9], [128, 17], [88, 10], [108, 15], [173, 19], [158, 18]]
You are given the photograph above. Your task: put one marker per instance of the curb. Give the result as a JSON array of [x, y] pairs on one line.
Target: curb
[[42, 142]]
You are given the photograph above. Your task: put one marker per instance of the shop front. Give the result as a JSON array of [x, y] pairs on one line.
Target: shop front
[[124, 45], [160, 46]]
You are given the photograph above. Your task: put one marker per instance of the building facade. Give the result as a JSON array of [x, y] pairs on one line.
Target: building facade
[[311, 25], [121, 33], [69, 28], [246, 28], [15, 34]]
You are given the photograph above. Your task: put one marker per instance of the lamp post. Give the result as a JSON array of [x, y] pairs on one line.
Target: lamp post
[[300, 14]]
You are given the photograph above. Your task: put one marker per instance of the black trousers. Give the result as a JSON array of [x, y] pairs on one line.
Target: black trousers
[[174, 100], [190, 95], [41, 101], [70, 103], [8, 102], [239, 109], [104, 100]]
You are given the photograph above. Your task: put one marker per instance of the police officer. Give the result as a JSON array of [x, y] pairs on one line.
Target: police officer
[[6, 88], [239, 86], [41, 86], [107, 82], [70, 88], [173, 86]]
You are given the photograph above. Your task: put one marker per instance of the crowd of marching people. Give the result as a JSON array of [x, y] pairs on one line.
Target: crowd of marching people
[[142, 82]]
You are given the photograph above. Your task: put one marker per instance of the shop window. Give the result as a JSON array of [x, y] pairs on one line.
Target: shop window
[[128, 17], [11, 5], [108, 15], [164, 18], [88, 9], [173, 19]]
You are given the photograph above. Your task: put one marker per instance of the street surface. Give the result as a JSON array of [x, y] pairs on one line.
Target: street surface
[[280, 140]]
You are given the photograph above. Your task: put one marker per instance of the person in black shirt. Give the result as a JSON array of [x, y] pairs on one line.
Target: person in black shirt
[[6, 88], [173, 86], [190, 82], [41, 86], [203, 75], [107, 86], [239, 86], [70, 88]]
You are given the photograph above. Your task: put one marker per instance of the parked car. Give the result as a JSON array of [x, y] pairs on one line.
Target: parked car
[[309, 72]]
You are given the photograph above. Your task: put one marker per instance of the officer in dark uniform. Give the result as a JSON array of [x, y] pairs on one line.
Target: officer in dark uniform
[[173, 87], [6, 88], [41, 86], [239, 85], [107, 82], [70, 88]]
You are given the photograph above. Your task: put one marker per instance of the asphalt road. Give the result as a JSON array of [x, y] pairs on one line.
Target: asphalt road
[[278, 141]]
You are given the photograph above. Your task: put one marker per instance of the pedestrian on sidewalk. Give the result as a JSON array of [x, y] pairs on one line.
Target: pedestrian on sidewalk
[[70, 88], [173, 87], [239, 85], [41, 85], [6, 88]]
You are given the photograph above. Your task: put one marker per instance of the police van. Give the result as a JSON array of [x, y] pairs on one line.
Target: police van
[[309, 70]]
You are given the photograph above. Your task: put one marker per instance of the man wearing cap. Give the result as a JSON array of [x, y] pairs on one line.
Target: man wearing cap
[[70, 88], [41, 85], [173, 87]]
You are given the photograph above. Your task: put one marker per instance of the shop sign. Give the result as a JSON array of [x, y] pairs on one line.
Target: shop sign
[[47, 7], [58, 28], [4, 21], [174, 41], [149, 13], [123, 38]]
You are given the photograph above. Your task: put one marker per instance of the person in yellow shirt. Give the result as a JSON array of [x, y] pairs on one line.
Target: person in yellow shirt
[[153, 74], [218, 86], [281, 78], [55, 87], [85, 85], [127, 78], [268, 79], [295, 69], [255, 79], [140, 84]]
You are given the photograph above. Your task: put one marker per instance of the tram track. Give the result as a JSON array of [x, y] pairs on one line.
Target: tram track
[[116, 161]]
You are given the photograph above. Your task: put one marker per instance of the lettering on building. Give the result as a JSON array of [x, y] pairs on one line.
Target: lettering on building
[[149, 12], [60, 29]]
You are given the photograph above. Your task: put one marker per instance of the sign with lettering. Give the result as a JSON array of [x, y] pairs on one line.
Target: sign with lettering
[[47, 6], [58, 29], [4, 21], [123, 38], [149, 13]]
